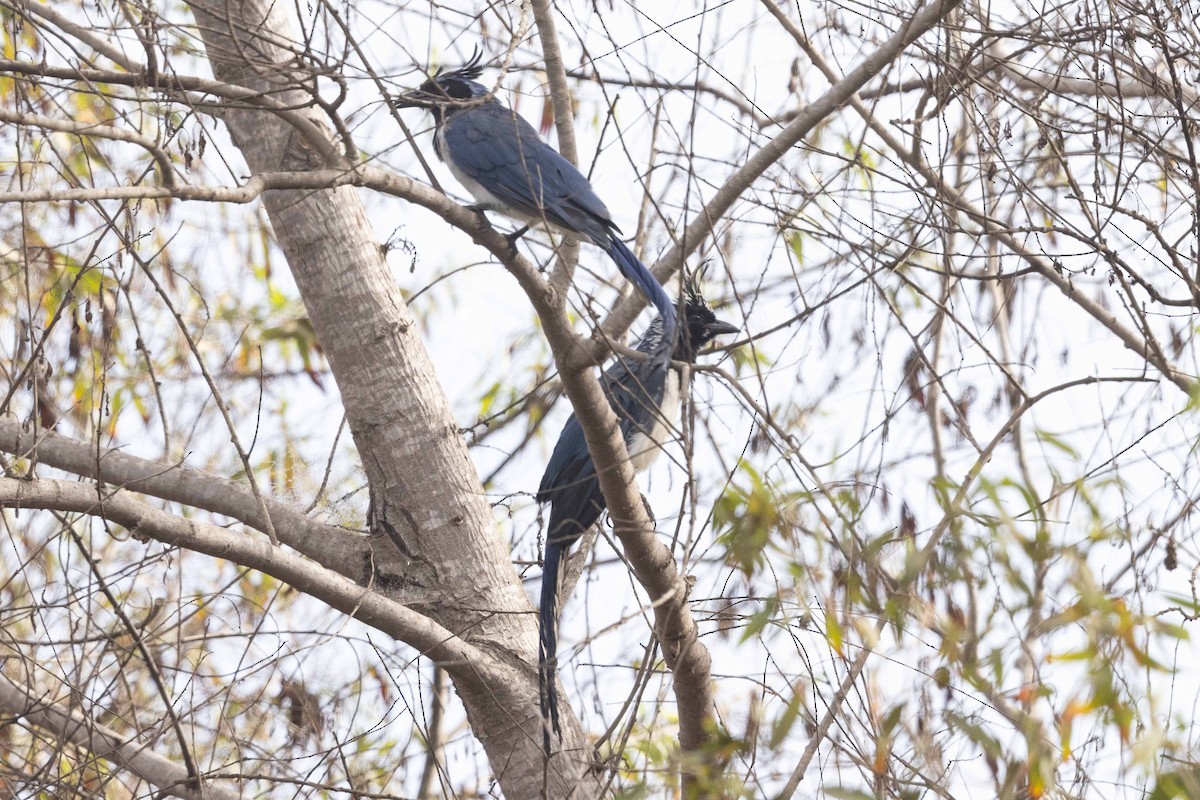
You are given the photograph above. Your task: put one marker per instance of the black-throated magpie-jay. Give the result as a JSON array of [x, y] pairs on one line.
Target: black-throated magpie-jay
[[506, 167], [644, 393]]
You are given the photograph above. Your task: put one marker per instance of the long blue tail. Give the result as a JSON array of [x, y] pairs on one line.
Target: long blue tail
[[548, 641], [636, 273]]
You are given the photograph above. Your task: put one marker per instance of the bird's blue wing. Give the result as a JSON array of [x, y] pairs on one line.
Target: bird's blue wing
[[571, 486], [499, 149], [570, 483]]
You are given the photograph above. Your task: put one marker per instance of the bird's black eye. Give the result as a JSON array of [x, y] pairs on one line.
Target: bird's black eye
[[457, 90], [446, 89]]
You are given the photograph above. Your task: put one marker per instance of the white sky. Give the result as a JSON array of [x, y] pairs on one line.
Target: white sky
[[839, 399]]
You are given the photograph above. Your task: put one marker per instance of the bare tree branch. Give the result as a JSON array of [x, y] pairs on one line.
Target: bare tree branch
[[338, 550], [1145, 347], [1140, 84], [165, 167], [191, 91], [922, 21], [169, 778], [62, 24], [556, 76], [464, 661]]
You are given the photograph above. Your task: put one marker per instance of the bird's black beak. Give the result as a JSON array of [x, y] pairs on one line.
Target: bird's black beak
[[719, 328], [413, 98]]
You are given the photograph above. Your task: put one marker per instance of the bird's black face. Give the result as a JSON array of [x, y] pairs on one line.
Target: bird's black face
[[440, 91], [446, 88], [702, 325]]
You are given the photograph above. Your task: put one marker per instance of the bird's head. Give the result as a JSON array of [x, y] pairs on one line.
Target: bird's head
[[446, 87], [700, 324]]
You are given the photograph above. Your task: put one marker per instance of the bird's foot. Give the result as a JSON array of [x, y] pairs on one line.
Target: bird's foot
[[479, 210], [514, 237], [649, 511]]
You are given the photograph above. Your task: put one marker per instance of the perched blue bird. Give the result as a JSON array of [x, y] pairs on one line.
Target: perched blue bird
[[644, 393], [505, 165]]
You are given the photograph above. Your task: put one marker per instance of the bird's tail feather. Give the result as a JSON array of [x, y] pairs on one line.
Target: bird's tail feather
[[548, 641], [636, 273]]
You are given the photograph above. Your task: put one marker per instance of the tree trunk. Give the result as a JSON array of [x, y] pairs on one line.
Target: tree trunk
[[426, 496]]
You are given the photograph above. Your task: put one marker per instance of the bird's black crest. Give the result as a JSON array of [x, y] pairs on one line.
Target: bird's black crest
[[700, 325], [467, 72], [690, 284], [452, 84]]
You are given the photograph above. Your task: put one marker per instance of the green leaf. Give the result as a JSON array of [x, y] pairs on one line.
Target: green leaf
[[795, 240], [1054, 441], [1183, 783], [791, 712], [759, 620]]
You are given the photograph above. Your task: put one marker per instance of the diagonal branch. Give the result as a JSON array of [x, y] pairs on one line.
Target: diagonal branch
[[556, 76], [811, 115], [652, 562], [464, 661], [338, 550], [564, 126]]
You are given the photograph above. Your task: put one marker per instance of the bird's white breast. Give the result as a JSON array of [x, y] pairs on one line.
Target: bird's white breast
[[643, 447], [479, 191], [482, 196]]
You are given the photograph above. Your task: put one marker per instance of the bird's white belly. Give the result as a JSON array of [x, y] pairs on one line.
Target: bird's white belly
[[644, 448], [482, 195]]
